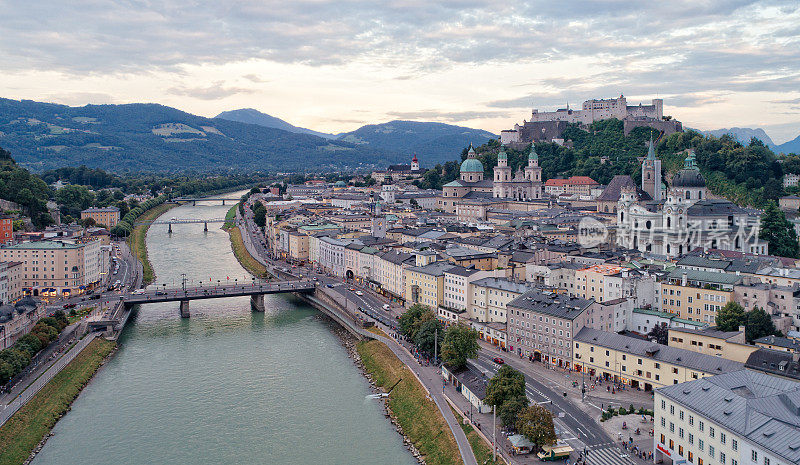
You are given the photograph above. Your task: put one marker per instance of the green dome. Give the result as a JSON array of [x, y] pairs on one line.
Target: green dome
[[340, 184], [502, 155], [472, 165]]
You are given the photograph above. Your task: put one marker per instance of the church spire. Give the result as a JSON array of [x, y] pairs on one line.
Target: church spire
[[651, 152], [533, 157]]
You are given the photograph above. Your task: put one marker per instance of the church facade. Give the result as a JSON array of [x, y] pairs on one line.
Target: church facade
[[686, 219], [522, 185]]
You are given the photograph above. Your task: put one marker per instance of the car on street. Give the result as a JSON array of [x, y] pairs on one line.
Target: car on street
[[359, 293], [69, 306], [498, 360], [330, 285], [161, 293], [386, 306], [351, 289]]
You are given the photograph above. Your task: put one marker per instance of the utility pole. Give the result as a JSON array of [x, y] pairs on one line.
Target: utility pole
[[494, 435], [435, 346], [183, 282]]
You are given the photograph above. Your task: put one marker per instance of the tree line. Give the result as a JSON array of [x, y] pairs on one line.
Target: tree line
[[15, 358]]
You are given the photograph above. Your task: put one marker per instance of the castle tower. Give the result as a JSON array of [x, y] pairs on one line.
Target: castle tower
[[533, 174], [414, 163], [502, 175], [651, 173]]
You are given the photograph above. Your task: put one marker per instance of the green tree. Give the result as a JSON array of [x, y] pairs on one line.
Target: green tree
[[730, 317], [780, 233], [536, 424], [506, 384], [460, 343], [412, 318], [758, 324], [18, 225], [510, 409], [73, 199], [425, 338]]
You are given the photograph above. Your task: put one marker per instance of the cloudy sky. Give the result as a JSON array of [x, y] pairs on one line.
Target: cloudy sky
[[333, 65]]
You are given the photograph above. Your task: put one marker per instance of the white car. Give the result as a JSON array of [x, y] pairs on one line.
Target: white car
[[359, 293], [386, 306]]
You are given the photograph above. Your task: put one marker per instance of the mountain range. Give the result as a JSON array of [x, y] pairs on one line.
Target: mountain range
[[744, 135], [157, 138]]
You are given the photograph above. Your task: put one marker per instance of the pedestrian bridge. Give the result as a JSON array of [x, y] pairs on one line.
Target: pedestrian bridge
[[183, 295]]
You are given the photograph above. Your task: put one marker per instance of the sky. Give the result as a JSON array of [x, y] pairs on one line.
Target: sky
[[333, 66]]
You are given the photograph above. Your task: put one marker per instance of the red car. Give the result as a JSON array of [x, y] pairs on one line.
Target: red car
[[498, 360]]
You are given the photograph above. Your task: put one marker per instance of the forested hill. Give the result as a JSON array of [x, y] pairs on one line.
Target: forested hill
[[150, 137], [747, 174], [24, 188]]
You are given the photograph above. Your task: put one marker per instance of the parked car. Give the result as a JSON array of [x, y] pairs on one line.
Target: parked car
[[359, 293], [386, 306], [498, 360], [330, 285]]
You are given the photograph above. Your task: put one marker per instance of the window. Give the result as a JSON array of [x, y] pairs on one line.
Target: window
[[754, 456], [691, 438], [722, 457], [701, 426], [700, 444], [711, 431], [680, 433], [722, 438], [691, 420], [680, 414], [734, 444]]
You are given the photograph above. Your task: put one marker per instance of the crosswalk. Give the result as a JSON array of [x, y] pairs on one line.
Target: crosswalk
[[610, 455]]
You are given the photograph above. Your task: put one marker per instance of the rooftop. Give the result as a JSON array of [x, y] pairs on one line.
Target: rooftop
[[764, 409], [551, 303], [658, 352]]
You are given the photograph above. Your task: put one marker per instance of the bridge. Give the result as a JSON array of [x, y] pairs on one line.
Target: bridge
[[172, 221], [256, 291], [204, 199]]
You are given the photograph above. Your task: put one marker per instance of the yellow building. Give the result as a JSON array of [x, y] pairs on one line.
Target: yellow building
[[697, 295], [730, 345], [106, 216], [425, 284], [640, 363]]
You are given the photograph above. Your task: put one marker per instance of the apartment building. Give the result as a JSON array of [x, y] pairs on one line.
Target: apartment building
[[641, 363], [6, 229], [106, 216], [697, 295], [10, 282], [730, 345], [488, 298], [391, 267], [743, 417], [57, 266], [542, 325], [425, 284]]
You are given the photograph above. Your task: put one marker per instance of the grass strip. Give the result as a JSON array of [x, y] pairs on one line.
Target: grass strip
[[417, 414], [230, 218], [482, 451], [247, 261], [138, 243], [25, 430]]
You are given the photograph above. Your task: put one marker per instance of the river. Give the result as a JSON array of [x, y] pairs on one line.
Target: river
[[226, 386]]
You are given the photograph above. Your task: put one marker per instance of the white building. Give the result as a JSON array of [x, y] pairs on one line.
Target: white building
[[331, 255], [740, 418]]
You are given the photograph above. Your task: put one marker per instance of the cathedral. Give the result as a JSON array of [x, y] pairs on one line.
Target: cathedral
[[520, 186], [686, 219]]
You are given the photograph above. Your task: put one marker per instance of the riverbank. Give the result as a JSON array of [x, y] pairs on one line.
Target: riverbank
[[137, 239], [247, 261], [24, 434], [409, 405]]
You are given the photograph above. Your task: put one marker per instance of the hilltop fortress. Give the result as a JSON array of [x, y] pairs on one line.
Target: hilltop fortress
[[549, 125]]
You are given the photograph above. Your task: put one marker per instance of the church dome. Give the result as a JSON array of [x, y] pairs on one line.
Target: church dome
[[502, 155], [690, 175], [471, 164]]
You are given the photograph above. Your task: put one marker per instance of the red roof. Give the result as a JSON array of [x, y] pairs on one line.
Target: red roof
[[415, 158], [572, 181]]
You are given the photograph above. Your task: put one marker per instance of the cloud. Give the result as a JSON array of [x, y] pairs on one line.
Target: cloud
[[254, 78], [213, 92], [436, 115], [786, 102]]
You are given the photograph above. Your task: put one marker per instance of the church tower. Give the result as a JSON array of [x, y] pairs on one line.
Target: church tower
[[533, 174], [414, 163], [502, 175], [651, 173]]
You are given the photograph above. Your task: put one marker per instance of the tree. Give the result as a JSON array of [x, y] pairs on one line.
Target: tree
[[730, 317], [460, 343], [88, 222], [18, 225], [412, 318], [758, 324], [73, 199], [510, 410], [536, 424], [506, 384], [660, 333], [425, 338], [780, 233]]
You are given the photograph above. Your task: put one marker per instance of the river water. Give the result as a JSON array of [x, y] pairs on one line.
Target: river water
[[226, 386]]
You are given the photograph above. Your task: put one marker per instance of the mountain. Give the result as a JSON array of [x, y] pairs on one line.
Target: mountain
[[743, 135], [151, 137], [433, 142], [252, 116], [793, 146]]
